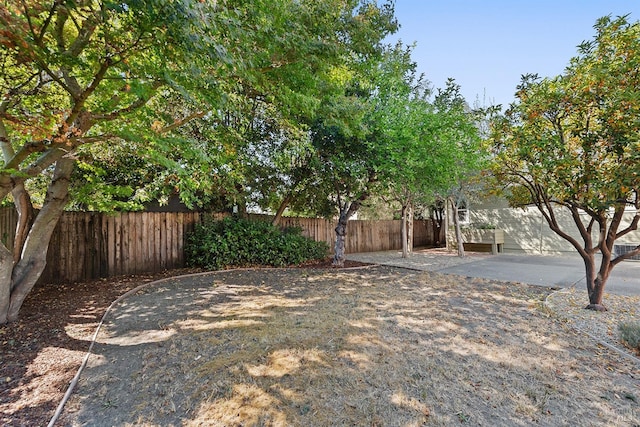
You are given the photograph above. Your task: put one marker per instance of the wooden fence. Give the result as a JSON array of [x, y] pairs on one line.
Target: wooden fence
[[89, 245]]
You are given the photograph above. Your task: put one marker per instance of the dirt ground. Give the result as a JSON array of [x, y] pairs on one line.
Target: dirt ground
[[39, 358], [375, 346]]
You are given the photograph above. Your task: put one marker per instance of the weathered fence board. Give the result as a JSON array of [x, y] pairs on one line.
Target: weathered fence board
[[89, 245]]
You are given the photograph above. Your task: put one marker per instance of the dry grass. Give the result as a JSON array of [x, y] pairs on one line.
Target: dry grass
[[604, 326], [375, 347]]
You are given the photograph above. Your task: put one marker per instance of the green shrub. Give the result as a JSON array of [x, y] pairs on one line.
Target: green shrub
[[239, 242], [630, 334]]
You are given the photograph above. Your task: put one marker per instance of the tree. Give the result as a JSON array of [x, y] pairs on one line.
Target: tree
[[467, 127], [405, 123], [571, 143], [397, 143], [349, 150], [73, 73], [344, 176], [337, 172], [235, 152], [431, 149], [78, 78]]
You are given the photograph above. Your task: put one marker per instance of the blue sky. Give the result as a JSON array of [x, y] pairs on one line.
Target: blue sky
[[486, 45]]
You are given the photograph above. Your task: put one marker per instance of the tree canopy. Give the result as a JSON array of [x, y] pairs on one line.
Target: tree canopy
[[572, 142], [164, 90], [429, 140]]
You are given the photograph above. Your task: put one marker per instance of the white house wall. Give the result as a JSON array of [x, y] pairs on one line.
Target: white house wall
[[526, 231]]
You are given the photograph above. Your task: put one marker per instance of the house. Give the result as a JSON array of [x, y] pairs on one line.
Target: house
[[526, 230]]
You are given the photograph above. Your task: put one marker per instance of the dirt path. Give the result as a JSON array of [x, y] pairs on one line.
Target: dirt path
[[377, 346]]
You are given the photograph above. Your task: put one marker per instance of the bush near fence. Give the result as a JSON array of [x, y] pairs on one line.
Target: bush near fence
[[90, 245]]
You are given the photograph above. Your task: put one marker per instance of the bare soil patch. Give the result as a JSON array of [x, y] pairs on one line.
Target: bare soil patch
[[376, 346]]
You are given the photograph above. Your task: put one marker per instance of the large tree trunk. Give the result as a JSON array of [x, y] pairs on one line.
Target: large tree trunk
[[33, 257], [596, 281], [347, 210]]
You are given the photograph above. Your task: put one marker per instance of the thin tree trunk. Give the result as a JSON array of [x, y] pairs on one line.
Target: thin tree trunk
[[437, 223], [456, 223], [281, 209], [436, 226], [24, 208], [403, 226], [346, 212], [410, 228], [407, 230]]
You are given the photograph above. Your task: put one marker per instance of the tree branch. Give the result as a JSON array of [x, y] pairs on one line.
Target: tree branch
[[179, 123], [47, 21], [71, 84], [43, 66], [84, 36], [44, 161], [632, 227], [24, 152], [77, 108], [140, 102], [28, 17], [626, 255], [63, 15]]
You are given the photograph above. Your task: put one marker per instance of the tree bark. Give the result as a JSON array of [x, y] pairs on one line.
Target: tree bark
[[456, 223], [407, 230], [403, 234], [24, 208], [6, 267], [347, 210], [437, 225], [410, 229], [341, 235], [33, 258], [596, 281], [281, 209]]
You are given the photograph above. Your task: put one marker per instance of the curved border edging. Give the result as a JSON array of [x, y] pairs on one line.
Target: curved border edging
[[127, 294], [593, 337]]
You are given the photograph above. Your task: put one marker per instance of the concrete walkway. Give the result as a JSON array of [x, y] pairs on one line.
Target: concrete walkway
[[560, 271]]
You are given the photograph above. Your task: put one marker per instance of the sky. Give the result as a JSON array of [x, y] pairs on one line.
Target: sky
[[486, 45]]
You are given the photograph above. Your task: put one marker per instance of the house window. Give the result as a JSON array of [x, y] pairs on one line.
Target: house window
[[463, 212]]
